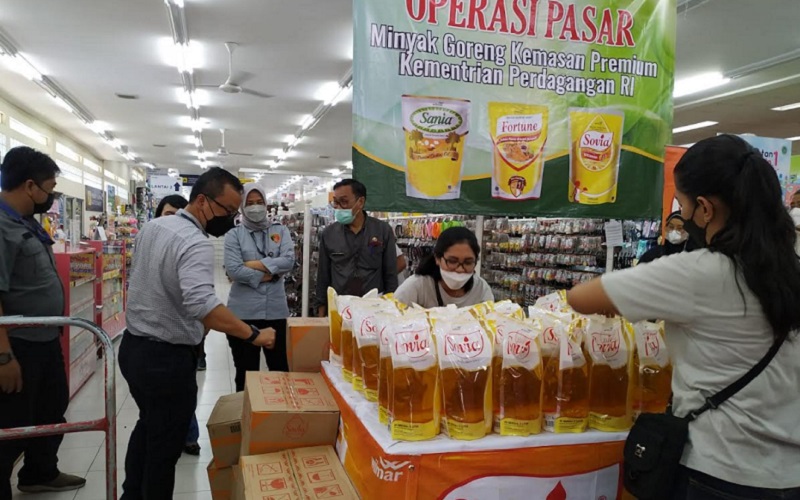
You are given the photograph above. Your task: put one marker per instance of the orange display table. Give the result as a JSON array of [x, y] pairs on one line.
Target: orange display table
[[545, 466]]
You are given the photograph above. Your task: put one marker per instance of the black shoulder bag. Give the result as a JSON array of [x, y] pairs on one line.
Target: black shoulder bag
[[655, 443]]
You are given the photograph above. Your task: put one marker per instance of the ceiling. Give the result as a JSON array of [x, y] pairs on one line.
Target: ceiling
[[95, 49]]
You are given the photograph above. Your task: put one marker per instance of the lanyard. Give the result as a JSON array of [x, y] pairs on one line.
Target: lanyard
[[29, 223], [261, 252]]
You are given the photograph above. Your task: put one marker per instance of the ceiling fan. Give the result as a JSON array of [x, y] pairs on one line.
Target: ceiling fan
[[223, 152], [233, 83]]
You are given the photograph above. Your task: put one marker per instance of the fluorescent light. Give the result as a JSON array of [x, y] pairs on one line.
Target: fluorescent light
[[294, 141], [340, 96], [792, 139], [282, 156], [693, 126], [197, 126], [328, 92], [114, 143], [196, 141], [97, 127], [186, 57], [699, 83], [176, 3], [307, 122], [787, 107], [62, 103], [20, 65]]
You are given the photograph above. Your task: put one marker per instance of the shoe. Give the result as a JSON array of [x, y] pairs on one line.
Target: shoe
[[192, 449], [201, 365], [62, 482]]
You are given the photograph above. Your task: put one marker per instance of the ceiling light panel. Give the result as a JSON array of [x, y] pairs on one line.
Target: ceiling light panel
[[787, 107], [699, 83], [693, 126]]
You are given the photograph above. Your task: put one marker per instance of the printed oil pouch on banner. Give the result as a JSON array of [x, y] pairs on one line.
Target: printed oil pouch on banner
[[343, 303], [465, 359], [335, 328], [367, 325], [565, 397], [520, 379], [596, 142], [652, 369], [518, 133], [609, 354], [414, 392], [436, 130]]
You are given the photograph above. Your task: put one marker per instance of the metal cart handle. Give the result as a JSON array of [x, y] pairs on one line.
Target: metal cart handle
[[107, 424]]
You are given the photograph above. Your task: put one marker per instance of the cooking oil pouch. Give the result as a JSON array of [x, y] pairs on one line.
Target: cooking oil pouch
[[610, 358]]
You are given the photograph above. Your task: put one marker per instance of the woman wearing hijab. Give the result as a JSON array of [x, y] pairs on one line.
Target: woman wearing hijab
[[258, 253], [677, 240]]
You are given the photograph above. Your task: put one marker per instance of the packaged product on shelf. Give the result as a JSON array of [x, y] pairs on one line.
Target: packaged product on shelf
[[465, 365], [652, 369], [554, 302], [414, 407], [366, 334], [511, 309], [343, 303], [519, 394], [565, 397], [609, 354], [385, 324], [518, 133], [335, 328], [596, 141]]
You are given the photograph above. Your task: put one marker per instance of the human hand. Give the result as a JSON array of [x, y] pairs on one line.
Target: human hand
[[11, 377], [266, 338], [254, 264], [266, 278]]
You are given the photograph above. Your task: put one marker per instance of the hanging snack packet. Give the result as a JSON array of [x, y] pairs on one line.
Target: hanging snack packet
[[652, 369], [414, 397], [565, 399], [465, 360], [335, 328], [610, 371], [368, 322], [518, 410]]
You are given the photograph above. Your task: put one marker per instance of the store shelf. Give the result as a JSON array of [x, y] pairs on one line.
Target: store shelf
[[116, 273], [76, 309], [81, 282]]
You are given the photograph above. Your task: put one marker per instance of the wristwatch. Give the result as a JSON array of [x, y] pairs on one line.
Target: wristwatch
[[6, 358], [253, 337]]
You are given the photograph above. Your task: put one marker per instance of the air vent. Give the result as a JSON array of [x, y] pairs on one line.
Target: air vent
[[159, 145], [130, 97], [324, 157]]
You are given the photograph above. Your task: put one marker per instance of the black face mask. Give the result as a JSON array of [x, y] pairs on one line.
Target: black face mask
[[218, 225], [43, 208], [697, 234]]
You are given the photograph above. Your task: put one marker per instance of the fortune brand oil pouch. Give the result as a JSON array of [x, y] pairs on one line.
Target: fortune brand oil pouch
[[519, 393], [436, 130], [652, 369], [465, 359], [565, 398], [518, 133], [367, 340], [610, 358], [413, 390], [595, 145]]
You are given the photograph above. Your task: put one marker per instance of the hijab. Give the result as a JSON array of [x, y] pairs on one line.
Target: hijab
[[250, 225]]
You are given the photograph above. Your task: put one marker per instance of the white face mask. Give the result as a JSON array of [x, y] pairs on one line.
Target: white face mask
[[676, 237], [256, 213], [454, 280]]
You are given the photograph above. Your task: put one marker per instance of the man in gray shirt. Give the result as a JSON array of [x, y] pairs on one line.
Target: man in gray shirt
[[33, 380], [171, 304], [357, 253]]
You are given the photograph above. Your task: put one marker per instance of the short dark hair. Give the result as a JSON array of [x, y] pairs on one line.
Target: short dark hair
[[359, 189], [22, 164], [213, 182], [174, 200]]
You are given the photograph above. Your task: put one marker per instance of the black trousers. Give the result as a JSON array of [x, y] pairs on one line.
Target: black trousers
[[162, 380], [247, 357], [43, 400]]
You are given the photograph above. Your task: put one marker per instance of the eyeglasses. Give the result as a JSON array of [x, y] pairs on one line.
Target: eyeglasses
[[343, 203], [228, 212], [452, 264]]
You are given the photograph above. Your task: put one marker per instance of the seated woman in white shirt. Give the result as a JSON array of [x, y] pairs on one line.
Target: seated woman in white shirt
[[448, 275], [725, 306]]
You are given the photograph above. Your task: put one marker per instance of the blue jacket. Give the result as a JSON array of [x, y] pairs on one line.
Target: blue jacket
[[250, 298]]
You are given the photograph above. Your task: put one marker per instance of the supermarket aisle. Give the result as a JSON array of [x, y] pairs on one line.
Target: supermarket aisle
[[84, 453]]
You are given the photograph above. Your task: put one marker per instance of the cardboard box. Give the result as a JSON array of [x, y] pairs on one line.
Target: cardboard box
[[287, 410], [221, 481], [308, 344], [298, 474], [225, 429]]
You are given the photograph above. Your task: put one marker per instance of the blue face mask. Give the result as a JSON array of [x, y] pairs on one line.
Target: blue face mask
[[344, 216]]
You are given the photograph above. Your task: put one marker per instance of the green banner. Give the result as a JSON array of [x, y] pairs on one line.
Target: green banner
[[513, 107]]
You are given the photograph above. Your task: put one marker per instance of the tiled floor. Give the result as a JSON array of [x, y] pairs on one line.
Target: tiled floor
[[84, 453]]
